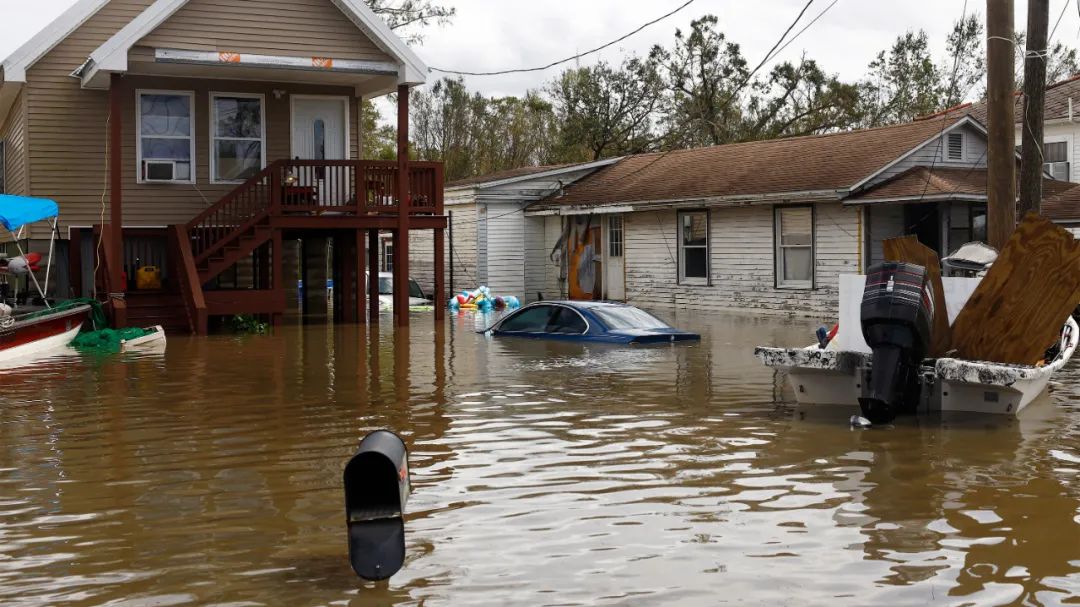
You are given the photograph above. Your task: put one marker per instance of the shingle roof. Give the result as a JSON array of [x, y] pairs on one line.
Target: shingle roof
[[1055, 108], [818, 163], [921, 181], [508, 174]]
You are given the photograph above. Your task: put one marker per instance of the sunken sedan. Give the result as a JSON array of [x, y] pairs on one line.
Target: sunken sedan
[[589, 321]]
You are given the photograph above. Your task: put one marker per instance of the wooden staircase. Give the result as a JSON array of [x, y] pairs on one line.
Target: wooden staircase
[[149, 308]]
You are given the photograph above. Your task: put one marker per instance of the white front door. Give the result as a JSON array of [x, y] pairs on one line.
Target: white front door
[[319, 132], [614, 267]]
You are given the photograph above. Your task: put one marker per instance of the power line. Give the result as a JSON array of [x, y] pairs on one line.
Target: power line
[[568, 59], [769, 55]]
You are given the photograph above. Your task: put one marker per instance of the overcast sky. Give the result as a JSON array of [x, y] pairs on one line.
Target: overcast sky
[[488, 35]]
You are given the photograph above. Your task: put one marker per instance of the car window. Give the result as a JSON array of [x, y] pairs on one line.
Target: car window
[[628, 317], [566, 322], [386, 286], [533, 319], [415, 290]]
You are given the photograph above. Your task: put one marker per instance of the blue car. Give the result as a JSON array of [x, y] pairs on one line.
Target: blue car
[[589, 321]]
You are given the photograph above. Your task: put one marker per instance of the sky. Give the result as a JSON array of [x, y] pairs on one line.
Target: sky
[[489, 35]]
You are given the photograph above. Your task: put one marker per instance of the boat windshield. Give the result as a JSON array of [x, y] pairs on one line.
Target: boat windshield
[[628, 318]]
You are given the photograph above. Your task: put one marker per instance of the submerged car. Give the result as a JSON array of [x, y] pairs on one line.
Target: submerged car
[[386, 292], [590, 321]]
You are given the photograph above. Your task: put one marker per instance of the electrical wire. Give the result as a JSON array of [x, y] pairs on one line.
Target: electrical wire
[[568, 59]]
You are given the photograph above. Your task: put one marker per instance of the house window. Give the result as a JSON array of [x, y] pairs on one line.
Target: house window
[[694, 247], [238, 137], [1056, 157], [795, 247], [615, 236], [967, 223], [165, 148], [954, 146], [387, 255]]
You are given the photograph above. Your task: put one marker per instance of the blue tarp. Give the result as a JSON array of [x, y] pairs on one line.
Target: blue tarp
[[17, 211]]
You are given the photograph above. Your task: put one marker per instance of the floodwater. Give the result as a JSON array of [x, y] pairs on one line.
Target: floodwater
[[543, 474]]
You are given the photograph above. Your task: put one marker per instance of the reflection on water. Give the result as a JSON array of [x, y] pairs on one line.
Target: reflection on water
[[544, 473]]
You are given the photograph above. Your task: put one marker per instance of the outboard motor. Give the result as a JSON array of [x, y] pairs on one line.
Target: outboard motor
[[897, 313]]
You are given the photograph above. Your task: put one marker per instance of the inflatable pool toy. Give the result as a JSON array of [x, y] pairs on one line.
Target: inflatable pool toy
[[482, 300]]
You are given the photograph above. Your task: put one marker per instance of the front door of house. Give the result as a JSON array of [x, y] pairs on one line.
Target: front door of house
[[319, 132]]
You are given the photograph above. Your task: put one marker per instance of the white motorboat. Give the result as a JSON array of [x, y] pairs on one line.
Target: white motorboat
[[837, 373]]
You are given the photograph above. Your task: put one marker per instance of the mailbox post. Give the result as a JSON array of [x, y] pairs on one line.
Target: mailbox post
[[376, 489]]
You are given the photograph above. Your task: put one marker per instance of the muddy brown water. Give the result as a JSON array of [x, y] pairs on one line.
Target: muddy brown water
[[543, 474]]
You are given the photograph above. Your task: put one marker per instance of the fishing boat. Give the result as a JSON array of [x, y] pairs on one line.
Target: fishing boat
[[26, 332], [889, 308]]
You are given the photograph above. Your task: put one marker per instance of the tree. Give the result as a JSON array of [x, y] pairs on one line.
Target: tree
[[1061, 63], [904, 82], [409, 15], [800, 100], [377, 142], [704, 74], [967, 60], [606, 111]]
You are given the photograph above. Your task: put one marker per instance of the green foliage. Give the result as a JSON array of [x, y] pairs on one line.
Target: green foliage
[[247, 324]]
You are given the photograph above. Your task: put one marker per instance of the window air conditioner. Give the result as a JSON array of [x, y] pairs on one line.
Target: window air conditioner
[[159, 170]]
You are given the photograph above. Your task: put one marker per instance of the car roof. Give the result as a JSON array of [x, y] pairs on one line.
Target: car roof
[[588, 305]]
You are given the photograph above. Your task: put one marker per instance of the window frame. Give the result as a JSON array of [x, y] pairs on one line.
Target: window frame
[[1067, 140], [778, 273], [212, 110], [613, 242], [682, 279], [139, 137], [945, 147]]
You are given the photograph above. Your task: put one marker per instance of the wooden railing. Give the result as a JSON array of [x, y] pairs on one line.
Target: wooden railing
[[187, 279], [239, 209]]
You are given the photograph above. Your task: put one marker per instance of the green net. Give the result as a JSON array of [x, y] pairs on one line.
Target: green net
[[97, 314], [107, 340]]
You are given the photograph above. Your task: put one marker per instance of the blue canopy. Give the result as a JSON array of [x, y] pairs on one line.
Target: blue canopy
[[17, 211]]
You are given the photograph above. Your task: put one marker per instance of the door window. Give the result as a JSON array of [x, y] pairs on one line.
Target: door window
[[566, 322], [529, 320]]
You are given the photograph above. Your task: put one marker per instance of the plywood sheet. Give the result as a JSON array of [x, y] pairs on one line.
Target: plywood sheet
[[908, 249], [1018, 309]]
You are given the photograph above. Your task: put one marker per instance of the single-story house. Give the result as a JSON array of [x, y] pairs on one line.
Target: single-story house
[[494, 243], [766, 226]]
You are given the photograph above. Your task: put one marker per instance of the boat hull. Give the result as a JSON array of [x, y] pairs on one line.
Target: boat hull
[[26, 338], [833, 377]]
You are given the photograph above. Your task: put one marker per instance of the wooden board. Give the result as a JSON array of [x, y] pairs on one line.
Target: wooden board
[[1017, 310], [908, 249]]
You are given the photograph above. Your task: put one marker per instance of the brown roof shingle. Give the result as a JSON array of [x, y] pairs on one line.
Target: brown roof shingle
[[1056, 106], [815, 163], [920, 181]]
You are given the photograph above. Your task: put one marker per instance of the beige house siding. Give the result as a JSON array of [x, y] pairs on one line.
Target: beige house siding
[[13, 135], [307, 28], [742, 262]]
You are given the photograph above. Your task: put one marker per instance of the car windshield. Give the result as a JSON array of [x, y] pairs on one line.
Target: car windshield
[[628, 317], [386, 286]]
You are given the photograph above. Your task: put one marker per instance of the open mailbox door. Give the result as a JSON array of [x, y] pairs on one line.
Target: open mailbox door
[[376, 489]]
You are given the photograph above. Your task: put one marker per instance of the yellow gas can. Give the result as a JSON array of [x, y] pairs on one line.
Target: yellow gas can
[[148, 278]]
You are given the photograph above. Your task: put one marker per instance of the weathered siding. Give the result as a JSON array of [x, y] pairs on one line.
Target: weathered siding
[[463, 257], [13, 134], [554, 281], [885, 221], [506, 249], [1066, 132], [742, 261], [306, 28]]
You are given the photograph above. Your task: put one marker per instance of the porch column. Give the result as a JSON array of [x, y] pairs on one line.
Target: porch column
[[345, 270], [440, 275], [278, 271], [373, 275], [361, 284], [401, 242], [116, 188]]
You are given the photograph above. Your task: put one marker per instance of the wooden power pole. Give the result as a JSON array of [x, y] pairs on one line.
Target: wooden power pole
[[1031, 156], [1001, 146]]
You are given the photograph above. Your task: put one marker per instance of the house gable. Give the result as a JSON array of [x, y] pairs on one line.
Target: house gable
[[320, 31], [932, 153]]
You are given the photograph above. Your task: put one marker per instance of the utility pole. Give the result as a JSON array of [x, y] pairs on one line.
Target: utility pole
[[1031, 156], [1001, 144]]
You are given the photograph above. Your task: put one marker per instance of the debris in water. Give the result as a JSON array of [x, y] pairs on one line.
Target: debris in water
[[858, 421]]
